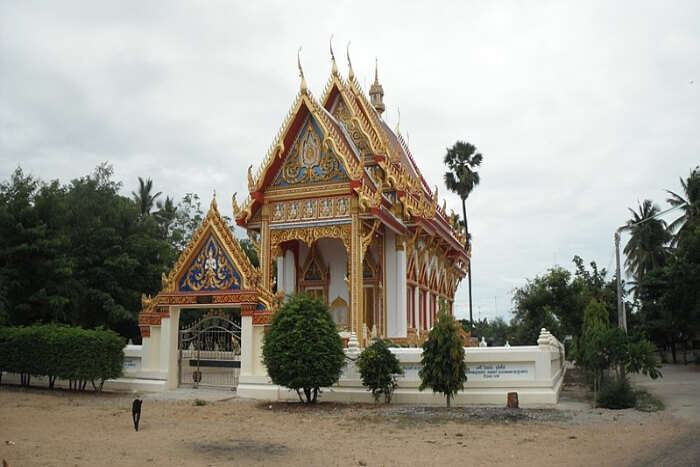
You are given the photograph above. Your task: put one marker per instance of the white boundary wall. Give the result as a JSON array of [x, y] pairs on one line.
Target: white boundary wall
[[535, 372]]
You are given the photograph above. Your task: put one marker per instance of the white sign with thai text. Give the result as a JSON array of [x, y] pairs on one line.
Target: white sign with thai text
[[500, 371]]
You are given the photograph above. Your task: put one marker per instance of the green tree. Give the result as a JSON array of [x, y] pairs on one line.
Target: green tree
[[378, 369], [34, 267], [462, 160], [143, 198], [690, 204], [444, 369], [646, 249], [302, 349]]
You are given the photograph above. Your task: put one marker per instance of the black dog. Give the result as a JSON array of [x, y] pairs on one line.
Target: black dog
[[136, 412]]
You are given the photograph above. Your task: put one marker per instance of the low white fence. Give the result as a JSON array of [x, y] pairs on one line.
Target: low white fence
[[534, 372]]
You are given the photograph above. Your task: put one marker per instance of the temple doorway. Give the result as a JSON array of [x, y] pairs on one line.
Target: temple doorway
[[209, 347]]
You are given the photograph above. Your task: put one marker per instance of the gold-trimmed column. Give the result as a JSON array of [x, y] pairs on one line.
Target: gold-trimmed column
[[356, 299], [265, 257]]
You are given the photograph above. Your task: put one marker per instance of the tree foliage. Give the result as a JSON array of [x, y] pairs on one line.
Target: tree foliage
[[444, 369], [462, 160], [82, 253], [302, 349], [74, 354], [378, 370]]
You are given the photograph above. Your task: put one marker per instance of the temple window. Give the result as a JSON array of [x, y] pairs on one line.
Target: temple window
[[315, 276]]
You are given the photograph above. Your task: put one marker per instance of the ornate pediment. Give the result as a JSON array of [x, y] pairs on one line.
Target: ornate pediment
[[309, 161], [213, 260], [211, 269]]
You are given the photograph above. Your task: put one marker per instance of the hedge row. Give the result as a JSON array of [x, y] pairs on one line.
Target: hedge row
[[58, 351]]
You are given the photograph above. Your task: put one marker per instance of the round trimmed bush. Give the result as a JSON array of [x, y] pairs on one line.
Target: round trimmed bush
[[302, 349]]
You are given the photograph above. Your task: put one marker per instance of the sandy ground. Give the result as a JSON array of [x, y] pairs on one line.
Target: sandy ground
[[58, 428]]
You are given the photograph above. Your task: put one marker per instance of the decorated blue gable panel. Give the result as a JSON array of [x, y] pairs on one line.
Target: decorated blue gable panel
[[210, 269], [308, 161]]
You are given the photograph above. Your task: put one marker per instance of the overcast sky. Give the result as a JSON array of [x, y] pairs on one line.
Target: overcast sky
[[580, 109]]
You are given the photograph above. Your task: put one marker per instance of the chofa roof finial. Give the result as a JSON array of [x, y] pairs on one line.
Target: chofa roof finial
[[351, 73], [334, 70], [301, 72], [398, 121], [376, 74]]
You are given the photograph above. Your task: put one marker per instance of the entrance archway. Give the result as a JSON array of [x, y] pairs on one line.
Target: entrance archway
[[209, 348]]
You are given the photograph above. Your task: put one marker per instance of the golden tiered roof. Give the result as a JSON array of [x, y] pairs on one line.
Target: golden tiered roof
[[362, 141]]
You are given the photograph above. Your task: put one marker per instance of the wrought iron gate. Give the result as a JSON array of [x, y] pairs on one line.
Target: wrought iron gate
[[210, 352]]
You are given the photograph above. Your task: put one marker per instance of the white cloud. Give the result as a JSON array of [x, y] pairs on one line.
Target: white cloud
[[580, 109]]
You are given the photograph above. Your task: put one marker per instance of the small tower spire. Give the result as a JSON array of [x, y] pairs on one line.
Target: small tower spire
[[376, 92], [351, 73], [334, 69], [303, 86]]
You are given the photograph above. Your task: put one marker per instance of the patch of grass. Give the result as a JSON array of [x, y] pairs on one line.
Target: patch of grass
[[199, 402], [647, 402]]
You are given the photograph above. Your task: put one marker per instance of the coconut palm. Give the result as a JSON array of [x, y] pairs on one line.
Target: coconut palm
[[143, 198], [690, 205], [166, 213], [646, 249], [461, 160]]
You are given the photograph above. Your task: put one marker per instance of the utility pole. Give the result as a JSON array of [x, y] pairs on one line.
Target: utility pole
[[621, 315]]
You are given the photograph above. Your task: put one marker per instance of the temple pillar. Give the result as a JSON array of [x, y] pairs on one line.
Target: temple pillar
[[265, 257], [356, 298], [170, 338], [401, 288], [280, 274], [416, 307], [247, 344], [290, 283]]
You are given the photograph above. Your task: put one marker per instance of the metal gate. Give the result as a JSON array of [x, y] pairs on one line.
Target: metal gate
[[210, 352]]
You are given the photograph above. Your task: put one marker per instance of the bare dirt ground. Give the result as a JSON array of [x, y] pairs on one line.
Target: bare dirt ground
[[39, 427]]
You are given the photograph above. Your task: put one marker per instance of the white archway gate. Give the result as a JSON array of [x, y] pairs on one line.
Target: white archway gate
[[209, 351]]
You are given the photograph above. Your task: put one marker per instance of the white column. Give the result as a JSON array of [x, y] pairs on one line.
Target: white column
[[280, 274], [164, 345], [247, 351], [172, 350], [401, 291], [416, 307], [289, 272], [390, 285]]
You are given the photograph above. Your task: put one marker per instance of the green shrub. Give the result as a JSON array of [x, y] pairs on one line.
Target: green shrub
[[378, 368], [302, 349], [617, 393], [444, 369], [58, 351]]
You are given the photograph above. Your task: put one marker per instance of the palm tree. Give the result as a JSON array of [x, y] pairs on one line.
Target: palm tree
[[690, 205], [166, 213], [461, 160], [646, 249], [143, 198]]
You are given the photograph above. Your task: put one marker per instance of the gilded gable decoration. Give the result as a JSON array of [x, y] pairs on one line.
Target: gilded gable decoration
[[211, 269], [308, 162]]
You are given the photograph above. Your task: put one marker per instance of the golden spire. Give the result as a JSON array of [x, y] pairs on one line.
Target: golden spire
[[213, 202], [376, 92], [301, 72], [351, 73], [334, 69]]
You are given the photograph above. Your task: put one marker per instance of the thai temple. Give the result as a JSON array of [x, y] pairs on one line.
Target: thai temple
[[341, 211], [338, 209]]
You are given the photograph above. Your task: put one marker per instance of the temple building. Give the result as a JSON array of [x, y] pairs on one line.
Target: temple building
[[338, 208]]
